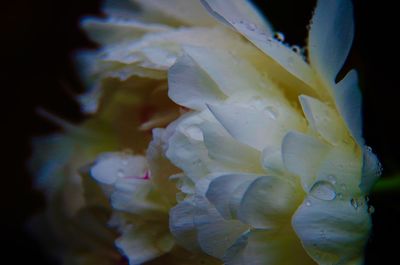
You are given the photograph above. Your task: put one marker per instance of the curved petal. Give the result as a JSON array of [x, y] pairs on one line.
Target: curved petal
[[224, 189], [302, 155], [333, 232], [226, 153], [371, 171], [348, 101], [269, 202], [190, 86], [249, 126], [144, 242], [323, 119], [330, 37], [111, 166], [260, 247], [228, 12]]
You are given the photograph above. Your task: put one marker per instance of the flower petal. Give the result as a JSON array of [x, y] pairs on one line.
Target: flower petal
[[249, 126], [223, 191], [111, 166], [302, 155], [228, 12], [333, 232], [144, 242], [330, 37], [371, 171], [348, 101], [226, 153], [269, 202], [323, 119], [190, 86], [260, 247]]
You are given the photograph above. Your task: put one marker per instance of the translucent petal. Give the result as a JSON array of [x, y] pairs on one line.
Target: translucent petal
[[333, 232], [223, 190], [190, 86], [228, 12], [303, 155], [371, 171], [260, 247], [348, 101], [323, 119], [226, 153], [330, 38], [269, 202], [260, 130]]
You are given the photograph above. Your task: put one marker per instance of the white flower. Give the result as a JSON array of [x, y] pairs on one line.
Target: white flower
[[273, 156]]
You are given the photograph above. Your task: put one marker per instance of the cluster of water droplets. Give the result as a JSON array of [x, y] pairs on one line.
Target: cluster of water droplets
[[326, 190]]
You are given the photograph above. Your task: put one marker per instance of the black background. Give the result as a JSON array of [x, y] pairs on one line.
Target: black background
[[39, 37]]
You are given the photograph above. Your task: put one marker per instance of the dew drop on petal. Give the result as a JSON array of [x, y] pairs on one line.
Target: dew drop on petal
[[279, 36], [296, 49], [323, 190], [371, 209], [308, 203]]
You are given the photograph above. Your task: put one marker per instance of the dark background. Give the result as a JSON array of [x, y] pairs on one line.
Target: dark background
[[39, 36]]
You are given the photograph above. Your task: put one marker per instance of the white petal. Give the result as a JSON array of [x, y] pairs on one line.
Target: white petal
[[190, 86], [229, 11], [186, 149], [330, 37], [333, 232], [144, 242], [249, 126], [371, 171], [215, 234], [181, 224], [231, 73], [269, 202], [323, 119], [348, 101], [134, 196], [260, 247], [111, 166], [272, 159], [224, 190], [226, 153], [303, 155]]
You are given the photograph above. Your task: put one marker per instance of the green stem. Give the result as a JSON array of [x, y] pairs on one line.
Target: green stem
[[387, 184]]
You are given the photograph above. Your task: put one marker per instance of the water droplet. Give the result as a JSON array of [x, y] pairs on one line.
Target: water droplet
[[272, 112], [332, 179], [296, 49], [308, 203], [120, 173], [279, 36], [356, 203], [371, 209], [340, 196], [323, 190], [250, 26]]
